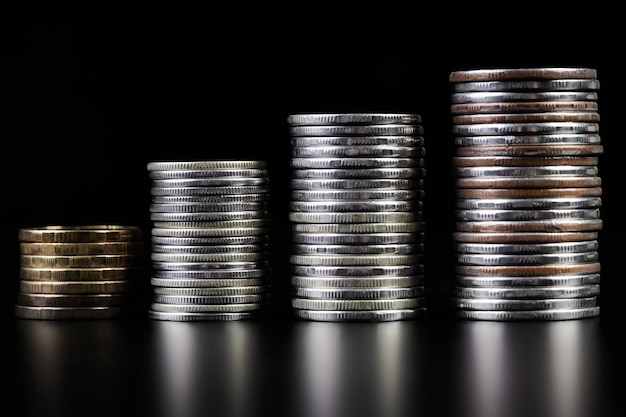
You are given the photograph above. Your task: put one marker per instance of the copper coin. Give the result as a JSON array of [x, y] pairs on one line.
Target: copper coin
[[556, 226], [528, 192], [524, 237], [536, 161], [577, 116], [529, 182], [531, 150], [528, 270], [522, 74], [524, 107]]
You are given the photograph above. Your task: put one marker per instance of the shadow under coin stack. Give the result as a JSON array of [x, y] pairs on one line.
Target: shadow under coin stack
[[78, 272], [356, 214], [528, 193], [209, 240]]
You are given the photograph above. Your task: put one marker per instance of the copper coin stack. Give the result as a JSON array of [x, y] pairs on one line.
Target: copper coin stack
[[356, 215], [210, 237], [528, 193], [78, 272]]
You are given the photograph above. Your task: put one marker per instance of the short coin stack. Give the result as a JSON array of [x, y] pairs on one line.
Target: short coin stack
[[356, 214], [529, 194], [77, 272], [210, 237]]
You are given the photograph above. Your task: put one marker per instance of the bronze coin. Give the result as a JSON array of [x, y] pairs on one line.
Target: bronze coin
[[577, 116], [511, 161], [529, 192], [521, 74], [529, 182], [524, 237], [513, 226], [528, 270], [531, 150], [524, 107]]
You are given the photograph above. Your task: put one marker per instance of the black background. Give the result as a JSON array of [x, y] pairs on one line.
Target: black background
[[89, 102]]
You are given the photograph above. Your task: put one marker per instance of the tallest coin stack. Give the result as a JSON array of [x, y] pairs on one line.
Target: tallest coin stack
[[356, 213], [529, 194]]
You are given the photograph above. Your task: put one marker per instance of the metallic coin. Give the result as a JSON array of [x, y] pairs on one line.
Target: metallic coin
[[523, 293], [210, 199], [206, 308], [327, 163], [526, 171], [80, 234], [528, 248], [366, 217], [358, 293], [205, 282], [552, 225], [358, 238], [81, 261], [528, 270], [205, 165], [221, 268], [355, 206], [522, 161], [412, 140], [70, 300], [188, 316], [187, 249], [352, 118], [525, 214], [211, 291], [208, 257], [75, 287], [210, 299], [358, 271], [342, 305], [67, 313], [492, 304], [373, 282], [357, 130], [201, 207], [531, 150], [210, 182], [204, 191], [523, 107], [81, 249], [554, 84], [537, 140], [81, 274], [357, 195], [484, 129], [206, 173], [369, 316], [362, 249], [537, 73], [253, 239], [403, 227], [555, 181], [525, 315], [221, 226], [208, 274], [352, 173], [523, 237], [528, 203], [518, 259], [559, 280], [356, 260], [342, 184], [209, 232], [577, 116], [517, 96], [520, 193], [208, 216], [376, 151]]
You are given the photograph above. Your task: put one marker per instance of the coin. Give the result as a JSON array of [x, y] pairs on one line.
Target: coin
[[526, 140], [370, 315], [358, 293], [522, 193], [575, 116], [81, 261], [537, 73], [370, 162], [538, 281], [553, 84], [211, 291], [67, 313], [517, 161], [80, 274], [552, 225], [369, 140], [489, 259], [523, 304], [528, 270], [341, 271], [69, 249], [353, 118], [357, 130], [70, 300], [204, 173], [202, 316], [80, 234], [208, 282], [531, 150], [367, 305], [524, 96], [541, 315], [523, 237], [523, 107], [356, 282], [205, 165], [75, 287], [527, 248], [550, 203], [535, 292]]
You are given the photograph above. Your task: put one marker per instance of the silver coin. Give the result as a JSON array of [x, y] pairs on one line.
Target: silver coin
[[357, 195], [205, 282], [517, 305], [342, 184], [356, 206], [210, 299], [367, 305], [201, 207], [523, 107], [369, 151], [67, 313], [211, 291], [199, 249], [523, 293], [361, 249], [358, 293], [525, 214], [208, 257], [208, 274], [210, 182], [208, 216], [541, 315], [357, 130], [403, 227], [205, 165], [534, 259], [203, 191], [223, 226], [499, 129], [528, 248], [356, 217], [511, 140], [528, 203], [564, 84], [209, 232], [552, 225], [533, 73], [197, 316], [353, 118], [359, 271], [224, 266], [526, 171], [358, 238], [206, 308], [528, 270], [211, 199], [517, 193], [515, 96], [362, 173], [206, 173], [528, 281], [349, 282], [253, 239], [356, 260], [326, 163], [412, 140], [369, 316]]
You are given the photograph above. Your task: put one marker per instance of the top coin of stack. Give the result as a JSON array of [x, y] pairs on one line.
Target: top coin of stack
[[527, 142], [77, 272], [356, 213]]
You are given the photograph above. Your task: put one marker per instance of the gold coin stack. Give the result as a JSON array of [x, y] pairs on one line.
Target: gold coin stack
[[77, 272]]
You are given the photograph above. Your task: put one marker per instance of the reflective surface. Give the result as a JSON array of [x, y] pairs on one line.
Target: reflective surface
[[428, 367]]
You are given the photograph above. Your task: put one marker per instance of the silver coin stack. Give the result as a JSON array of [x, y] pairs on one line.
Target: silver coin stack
[[528, 193], [78, 272], [210, 237], [356, 212]]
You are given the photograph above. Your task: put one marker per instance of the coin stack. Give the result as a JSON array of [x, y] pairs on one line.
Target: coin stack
[[356, 215], [77, 272], [210, 237], [528, 193]]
